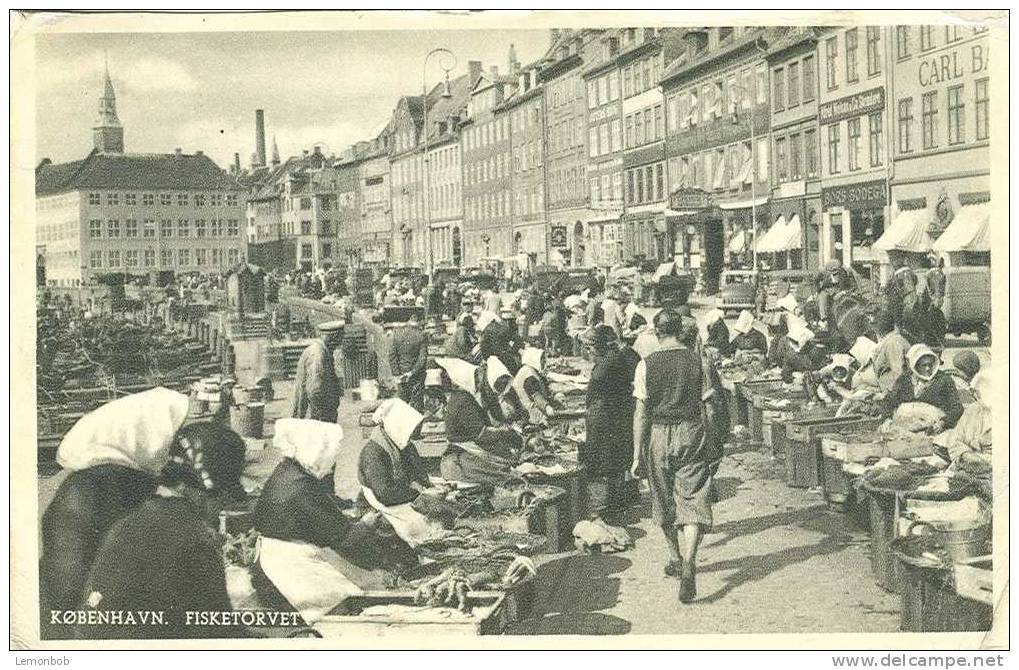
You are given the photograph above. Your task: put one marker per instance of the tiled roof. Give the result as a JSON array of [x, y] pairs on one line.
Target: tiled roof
[[98, 171]]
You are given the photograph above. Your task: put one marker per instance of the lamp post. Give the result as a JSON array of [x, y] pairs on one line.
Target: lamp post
[[424, 104], [753, 164]]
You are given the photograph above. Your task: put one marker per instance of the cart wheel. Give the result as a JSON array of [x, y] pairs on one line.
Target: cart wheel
[[984, 334]]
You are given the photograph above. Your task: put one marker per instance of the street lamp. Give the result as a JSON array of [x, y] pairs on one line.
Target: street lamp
[[753, 162], [424, 103]]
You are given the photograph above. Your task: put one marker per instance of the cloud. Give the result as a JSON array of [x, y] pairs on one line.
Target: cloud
[[144, 75]]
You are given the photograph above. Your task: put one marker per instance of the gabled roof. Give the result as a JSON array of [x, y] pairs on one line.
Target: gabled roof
[[177, 172]]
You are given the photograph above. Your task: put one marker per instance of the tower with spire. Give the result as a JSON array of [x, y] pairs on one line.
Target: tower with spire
[[275, 152], [108, 134]]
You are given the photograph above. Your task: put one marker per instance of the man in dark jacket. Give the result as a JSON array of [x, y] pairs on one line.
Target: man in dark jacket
[[408, 356]]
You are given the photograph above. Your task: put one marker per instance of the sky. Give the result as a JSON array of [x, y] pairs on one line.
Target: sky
[[199, 91]]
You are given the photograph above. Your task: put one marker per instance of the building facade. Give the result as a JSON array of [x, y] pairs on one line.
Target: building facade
[[718, 146], [940, 98], [406, 165], [853, 127], [525, 108], [347, 212], [377, 235]]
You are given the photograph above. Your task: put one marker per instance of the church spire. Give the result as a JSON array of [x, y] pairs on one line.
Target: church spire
[[108, 134], [275, 152]]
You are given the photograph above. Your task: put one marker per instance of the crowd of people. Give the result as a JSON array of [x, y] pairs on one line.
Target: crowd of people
[[131, 530]]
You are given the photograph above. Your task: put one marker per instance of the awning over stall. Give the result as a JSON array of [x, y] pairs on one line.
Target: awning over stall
[[908, 232], [738, 242], [789, 237], [970, 230], [766, 243]]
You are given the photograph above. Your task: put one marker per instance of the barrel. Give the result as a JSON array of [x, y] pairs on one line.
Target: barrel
[[247, 419], [929, 600], [247, 394], [883, 506]]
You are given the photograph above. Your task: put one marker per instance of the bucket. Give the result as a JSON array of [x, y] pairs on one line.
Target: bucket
[[248, 394], [369, 390], [962, 540], [247, 420]]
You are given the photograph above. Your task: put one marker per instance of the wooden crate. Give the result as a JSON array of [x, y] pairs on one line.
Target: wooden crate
[[859, 447], [974, 579], [804, 468], [487, 617]]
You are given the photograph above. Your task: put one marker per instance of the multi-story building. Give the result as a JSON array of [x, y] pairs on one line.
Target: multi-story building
[[717, 125], [527, 133], [347, 213], [605, 150], [377, 234], [269, 202], [853, 141], [796, 183], [487, 167], [407, 191], [644, 52], [151, 215], [940, 96], [566, 153]]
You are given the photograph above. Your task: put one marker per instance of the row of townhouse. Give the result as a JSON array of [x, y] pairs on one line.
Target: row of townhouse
[[693, 145]]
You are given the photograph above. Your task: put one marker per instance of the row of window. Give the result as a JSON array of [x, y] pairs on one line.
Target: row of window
[[645, 184], [928, 41], [794, 82], [307, 250], [566, 134], [487, 206], [955, 117], [527, 156], [137, 258], [851, 41], [796, 155], [494, 167], [165, 199], [526, 116], [607, 189], [603, 89], [605, 138], [642, 75], [487, 133], [722, 168], [444, 199], [167, 228], [645, 126], [564, 91], [567, 183], [530, 200], [713, 99]]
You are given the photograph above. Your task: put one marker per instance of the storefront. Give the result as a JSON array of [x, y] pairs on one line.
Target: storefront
[[801, 215], [531, 240], [738, 217], [855, 215], [605, 233]]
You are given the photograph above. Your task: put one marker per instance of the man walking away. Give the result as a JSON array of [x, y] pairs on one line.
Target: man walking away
[[668, 440], [408, 356], [317, 387]]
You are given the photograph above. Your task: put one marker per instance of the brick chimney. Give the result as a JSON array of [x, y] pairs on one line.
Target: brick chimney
[[259, 138], [473, 70]]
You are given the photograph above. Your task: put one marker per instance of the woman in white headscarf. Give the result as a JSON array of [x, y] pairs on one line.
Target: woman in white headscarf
[[531, 389], [748, 338], [481, 449], [925, 383], [392, 476], [971, 437]]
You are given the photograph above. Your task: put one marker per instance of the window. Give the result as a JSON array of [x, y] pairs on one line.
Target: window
[[902, 42], [905, 125], [233, 227], [148, 199], [131, 228], [217, 200], [201, 257], [831, 48], [953, 33], [762, 160], [778, 96], [113, 199], [926, 38], [648, 129], [956, 115], [639, 126], [873, 51], [929, 120], [595, 190], [795, 157], [149, 228], [166, 258], [810, 152], [876, 139], [165, 228], [183, 257], [200, 228], [629, 132], [761, 85], [834, 132], [809, 79], [233, 256], [853, 144], [113, 228], [852, 44], [95, 229], [95, 259], [94, 199], [150, 258], [603, 139], [613, 85], [327, 250], [780, 158], [182, 199], [659, 181], [794, 84], [659, 123], [216, 228], [113, 259], [981, 102], [615, 137], [131, 258], [183, 228]]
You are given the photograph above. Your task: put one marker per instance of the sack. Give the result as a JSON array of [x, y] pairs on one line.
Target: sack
[[919, 417], [135, 431]]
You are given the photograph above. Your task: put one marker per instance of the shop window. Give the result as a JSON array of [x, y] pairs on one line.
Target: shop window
[[866, 226]]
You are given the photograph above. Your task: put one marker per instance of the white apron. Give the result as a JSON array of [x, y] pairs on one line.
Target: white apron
[[310, 578], [412, 526]]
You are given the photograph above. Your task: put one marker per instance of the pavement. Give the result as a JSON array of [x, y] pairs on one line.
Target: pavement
[[776, 560]]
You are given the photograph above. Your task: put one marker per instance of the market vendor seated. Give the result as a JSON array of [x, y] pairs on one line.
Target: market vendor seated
[[805, 354], [971, 437], [298, 505], [482, 450], [392, 476], [925, 383], [718, 332], [531, 388], [748, 338], [463, 343], [965, 366], [779, 346]]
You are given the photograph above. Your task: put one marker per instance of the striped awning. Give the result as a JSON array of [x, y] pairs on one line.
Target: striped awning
[[908, 232], [970, 230]]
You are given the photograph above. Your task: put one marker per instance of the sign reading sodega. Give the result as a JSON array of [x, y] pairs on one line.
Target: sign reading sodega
[[945, 67]]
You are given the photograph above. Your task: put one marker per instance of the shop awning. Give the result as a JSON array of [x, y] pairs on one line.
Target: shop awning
[[684, 212], [766, 243], [742, 204], [908, 232], [738, 242], [788, 238], [605, 216], [970, 230]]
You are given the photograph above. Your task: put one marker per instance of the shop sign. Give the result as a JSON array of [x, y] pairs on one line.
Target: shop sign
[[865, 195], [557, 236], [852, 105], [689, 198]]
